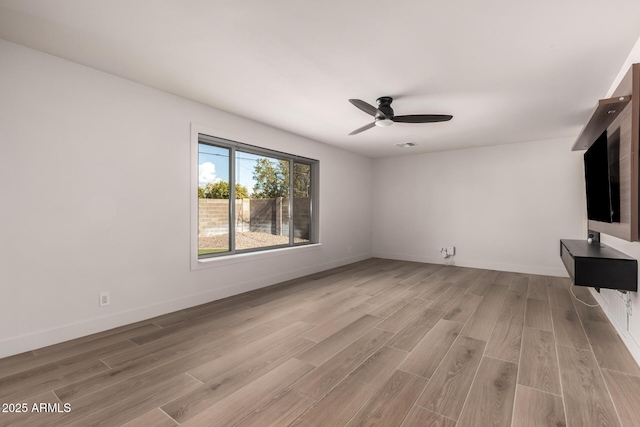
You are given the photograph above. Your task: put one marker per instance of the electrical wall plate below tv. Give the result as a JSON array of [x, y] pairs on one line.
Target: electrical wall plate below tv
[[598, 265]]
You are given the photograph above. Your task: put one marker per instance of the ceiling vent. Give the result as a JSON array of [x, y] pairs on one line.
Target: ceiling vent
[[406, 144]]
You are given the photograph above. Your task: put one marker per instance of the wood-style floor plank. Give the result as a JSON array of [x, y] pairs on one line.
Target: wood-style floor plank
[[625, 391], [427, 355], [431, 288], [538, 315], [539, 364], [337, 407], [76, 390], [350, 303], [124, 410], [520, 283], [386, 310], [221, 337], [610, 351], [183, 331], [391, 403], [326, 294], [449, 297], [506, 338], [538, 288], [282, 410], [482, 284], [515, 303], [585, 394], [400, 318], [326, 348], [155, 418], [411, 334], [420, 417], [406, 269], [182, 360], [83, 345], [19, 362], [322, 379], [462, 308], [189, 324], [297, 286], [335, 324], [490, 401], [447, 390], [559, 296], [16, 387], [590, 314], [535, 408], [385, 295], [227, 382], [568, 329], [504, 278], [243, 402], [587, 314], [378, 284], [460, 275], [24, 362], [480, 325], [419, 276], [280, 341]]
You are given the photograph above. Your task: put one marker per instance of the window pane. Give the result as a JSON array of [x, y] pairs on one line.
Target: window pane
[[265, 182], [213, 199], [301, 202]]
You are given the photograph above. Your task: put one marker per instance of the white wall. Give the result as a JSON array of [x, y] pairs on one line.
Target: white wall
[[95, 195], [610, 302], [503, 207]]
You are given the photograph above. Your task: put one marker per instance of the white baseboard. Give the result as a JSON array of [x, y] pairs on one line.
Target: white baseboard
[[627, 339], [28, 342], [516, 268]]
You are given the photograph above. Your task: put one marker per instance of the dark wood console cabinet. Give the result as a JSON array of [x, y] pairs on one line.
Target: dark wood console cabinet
[[599, 266]]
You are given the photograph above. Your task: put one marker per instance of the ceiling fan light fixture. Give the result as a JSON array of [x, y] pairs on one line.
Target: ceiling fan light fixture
[[383, 123]]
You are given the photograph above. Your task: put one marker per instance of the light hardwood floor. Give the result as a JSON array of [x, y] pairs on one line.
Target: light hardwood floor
[[379, 342]]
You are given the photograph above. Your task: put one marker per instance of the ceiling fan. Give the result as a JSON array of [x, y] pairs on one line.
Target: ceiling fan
[[384, 115]]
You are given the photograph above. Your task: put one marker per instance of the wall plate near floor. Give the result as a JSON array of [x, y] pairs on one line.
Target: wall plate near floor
[[105, 299], [447, 251]]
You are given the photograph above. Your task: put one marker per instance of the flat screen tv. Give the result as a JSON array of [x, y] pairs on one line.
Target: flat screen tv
[[602, 183]]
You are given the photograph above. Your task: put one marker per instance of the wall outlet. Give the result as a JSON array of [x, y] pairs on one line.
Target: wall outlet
[[105, 299], [447, 251], [349, 249]]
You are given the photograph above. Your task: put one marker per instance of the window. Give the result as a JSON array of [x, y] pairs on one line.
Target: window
[[252, 199]]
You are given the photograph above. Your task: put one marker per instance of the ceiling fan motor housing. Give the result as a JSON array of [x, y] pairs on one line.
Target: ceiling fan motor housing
[[384, 105]]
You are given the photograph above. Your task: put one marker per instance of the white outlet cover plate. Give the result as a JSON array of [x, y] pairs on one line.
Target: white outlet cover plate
[[105, 299]]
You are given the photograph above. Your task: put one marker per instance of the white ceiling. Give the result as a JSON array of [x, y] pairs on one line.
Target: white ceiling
[[508, 70]]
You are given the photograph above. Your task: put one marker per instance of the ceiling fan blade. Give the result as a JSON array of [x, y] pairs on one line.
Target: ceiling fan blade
[[367, 108], [363, 128], [422, 118]]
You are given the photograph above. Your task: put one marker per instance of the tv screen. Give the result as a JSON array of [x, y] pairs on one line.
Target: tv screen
[[598, 182]]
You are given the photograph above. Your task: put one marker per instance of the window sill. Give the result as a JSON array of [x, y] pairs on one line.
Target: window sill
[[220, 261]]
